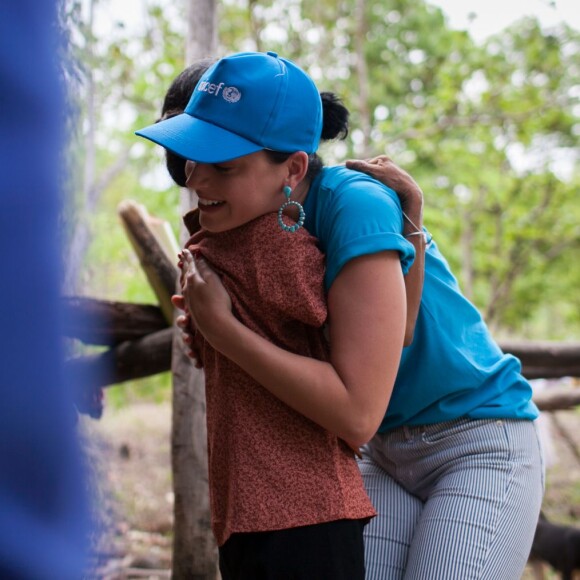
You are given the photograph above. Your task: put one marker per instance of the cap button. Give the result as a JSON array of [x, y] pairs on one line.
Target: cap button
[[272, 53]]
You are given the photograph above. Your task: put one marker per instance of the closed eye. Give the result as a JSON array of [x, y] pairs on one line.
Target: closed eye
[[222, 168]]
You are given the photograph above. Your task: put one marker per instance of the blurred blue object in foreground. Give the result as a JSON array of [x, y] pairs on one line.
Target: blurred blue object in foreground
[[42, 503]]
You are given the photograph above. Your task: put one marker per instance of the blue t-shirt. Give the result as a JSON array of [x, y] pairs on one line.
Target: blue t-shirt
[[453, 368]]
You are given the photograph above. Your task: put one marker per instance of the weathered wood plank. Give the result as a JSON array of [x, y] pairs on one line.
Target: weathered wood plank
[[108, 323], [557, 399], [134, 359], [159, 265], [544, 354], [554, 367]]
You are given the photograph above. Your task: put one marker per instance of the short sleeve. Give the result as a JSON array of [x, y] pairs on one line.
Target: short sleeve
[[362, 217]]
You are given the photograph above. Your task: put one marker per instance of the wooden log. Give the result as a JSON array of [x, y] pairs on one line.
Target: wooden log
[[544, 359], [156, 249], [194, 547], [557, 399], [565, 436], [555, 371], [146, 318], [103, 322], [544, 354], [135, 359]]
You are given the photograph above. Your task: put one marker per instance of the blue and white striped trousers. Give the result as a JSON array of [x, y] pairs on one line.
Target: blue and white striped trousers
[[456, 500]]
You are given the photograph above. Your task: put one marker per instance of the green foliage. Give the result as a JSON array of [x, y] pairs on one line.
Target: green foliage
[[112, 270], [125, 75], [155, 389]]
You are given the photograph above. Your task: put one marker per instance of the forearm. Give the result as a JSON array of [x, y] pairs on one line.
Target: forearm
[[416, 274], [311, 387]]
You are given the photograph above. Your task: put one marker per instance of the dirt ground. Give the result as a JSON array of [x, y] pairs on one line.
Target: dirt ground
[[130, 473], [129, 458]]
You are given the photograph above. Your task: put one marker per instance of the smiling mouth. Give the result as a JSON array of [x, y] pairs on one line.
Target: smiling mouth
[[209, 202]]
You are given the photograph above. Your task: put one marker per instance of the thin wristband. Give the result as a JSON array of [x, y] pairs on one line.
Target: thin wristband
[[417, 229], [427, 237]]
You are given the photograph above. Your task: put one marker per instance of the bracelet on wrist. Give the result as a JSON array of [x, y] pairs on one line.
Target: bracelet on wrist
[[427, 237]]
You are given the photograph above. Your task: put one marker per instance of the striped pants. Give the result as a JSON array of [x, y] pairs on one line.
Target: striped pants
[[456, 500]]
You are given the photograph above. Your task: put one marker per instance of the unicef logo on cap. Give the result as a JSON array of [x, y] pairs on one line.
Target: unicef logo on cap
[[231, 94]]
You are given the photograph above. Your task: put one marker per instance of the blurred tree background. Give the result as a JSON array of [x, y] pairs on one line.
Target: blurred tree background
[[490, 130]]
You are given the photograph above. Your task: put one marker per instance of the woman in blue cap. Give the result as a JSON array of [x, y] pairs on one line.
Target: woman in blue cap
[[287, 498], [455, 468]]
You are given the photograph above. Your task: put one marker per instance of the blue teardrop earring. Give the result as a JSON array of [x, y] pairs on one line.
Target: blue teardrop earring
[[287, 190]]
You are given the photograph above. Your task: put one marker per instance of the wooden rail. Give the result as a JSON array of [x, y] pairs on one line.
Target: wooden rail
[[141, 340]]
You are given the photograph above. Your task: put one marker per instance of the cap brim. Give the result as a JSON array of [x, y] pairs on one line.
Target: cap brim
[[197, 140]]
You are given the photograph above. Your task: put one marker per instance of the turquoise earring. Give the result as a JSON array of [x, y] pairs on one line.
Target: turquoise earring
[[301, 215]]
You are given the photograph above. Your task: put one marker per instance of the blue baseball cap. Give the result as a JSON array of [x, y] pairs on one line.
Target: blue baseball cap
[[244, 103]]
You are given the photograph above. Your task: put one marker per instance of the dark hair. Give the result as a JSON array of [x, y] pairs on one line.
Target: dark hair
[[175, 101], [334, 121], [334, 126]]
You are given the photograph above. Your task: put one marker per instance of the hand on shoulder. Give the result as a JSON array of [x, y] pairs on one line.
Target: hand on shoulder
[[383, 169]]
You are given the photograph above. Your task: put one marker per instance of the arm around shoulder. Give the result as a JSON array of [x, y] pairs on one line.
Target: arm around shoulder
[[410, 195]]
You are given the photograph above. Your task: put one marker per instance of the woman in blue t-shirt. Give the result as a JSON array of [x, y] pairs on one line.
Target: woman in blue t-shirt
[[455, 469]]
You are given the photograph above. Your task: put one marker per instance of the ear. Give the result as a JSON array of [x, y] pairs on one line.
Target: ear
[[297, 165]]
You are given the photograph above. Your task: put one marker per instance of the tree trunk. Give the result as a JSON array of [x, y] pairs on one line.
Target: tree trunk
[[194, 548], [202, 40], [362, 75]]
